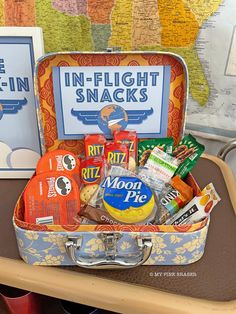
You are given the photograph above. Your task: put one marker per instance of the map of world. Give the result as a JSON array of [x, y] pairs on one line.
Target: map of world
[[201, 31]]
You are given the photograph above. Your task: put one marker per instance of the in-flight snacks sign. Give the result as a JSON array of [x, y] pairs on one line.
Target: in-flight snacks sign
[[100, 99]]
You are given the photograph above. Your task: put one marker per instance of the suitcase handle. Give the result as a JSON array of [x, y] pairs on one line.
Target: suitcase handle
[[144, 244]]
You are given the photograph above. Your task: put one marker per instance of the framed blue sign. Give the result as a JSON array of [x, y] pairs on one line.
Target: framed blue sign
[[19, 135], [96, 99]]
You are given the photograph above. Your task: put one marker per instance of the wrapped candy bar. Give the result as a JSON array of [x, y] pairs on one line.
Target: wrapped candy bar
[[197, 209], [172, 198]]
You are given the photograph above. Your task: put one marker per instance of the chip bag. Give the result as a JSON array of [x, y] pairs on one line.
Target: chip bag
[[51, 198], [146, 147], [161, 165], [187, 152], [62, 161]]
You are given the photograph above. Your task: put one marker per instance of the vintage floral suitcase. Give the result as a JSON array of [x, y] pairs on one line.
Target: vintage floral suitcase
[[108, 246]]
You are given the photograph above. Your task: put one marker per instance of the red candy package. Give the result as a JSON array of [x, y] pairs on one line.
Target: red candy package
[[51, 198], [117, 154], [94, 145], [60, 160], [129, 138]]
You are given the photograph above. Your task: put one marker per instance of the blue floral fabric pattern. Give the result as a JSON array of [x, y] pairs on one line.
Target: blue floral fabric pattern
[[48, 248]]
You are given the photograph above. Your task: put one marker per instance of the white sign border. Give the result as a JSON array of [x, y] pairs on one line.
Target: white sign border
[[36, 34]]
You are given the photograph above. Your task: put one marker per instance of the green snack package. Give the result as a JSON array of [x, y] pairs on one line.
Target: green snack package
[[145, 148], [187, 151]]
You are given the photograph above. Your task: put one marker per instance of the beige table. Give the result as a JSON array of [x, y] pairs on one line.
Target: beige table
[[212, 290]]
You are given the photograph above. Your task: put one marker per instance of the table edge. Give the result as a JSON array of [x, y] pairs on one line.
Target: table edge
[[228, 175], [103, 293], [108, 294]]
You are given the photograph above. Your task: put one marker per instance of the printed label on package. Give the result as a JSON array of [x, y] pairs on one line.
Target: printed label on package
[[104, 99]]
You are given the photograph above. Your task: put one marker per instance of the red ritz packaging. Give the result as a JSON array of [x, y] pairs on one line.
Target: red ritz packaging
[[129, 138], [94, 145], [117, 154], [92, 170], [60, 160], [51, 198]]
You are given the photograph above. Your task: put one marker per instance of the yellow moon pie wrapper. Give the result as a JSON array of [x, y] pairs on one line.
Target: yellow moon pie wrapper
[[128, 199]]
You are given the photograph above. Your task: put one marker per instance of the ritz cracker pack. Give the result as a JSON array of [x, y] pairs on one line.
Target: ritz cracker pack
[[94, 145], [92, 170], [111, 188]]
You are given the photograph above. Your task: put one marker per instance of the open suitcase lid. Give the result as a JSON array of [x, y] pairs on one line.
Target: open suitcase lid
[[177, 90]]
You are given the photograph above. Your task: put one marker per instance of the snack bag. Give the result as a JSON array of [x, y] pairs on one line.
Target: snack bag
[[91, 170], [187, 152], [145, 148], [197, 209], [117, 154], [121, 199], [149, 177], [51, 198], [162, 165], [60, 160], [129, 138], [94, 145], [174, 196]]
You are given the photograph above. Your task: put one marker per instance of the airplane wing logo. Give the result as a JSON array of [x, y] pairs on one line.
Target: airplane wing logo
[[87, 117], [11, 106], [91, 117]]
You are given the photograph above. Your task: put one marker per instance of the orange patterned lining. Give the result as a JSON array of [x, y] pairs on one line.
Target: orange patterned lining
[[46, 99]]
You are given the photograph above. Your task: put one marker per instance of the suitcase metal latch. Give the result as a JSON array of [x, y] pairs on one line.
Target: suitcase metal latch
[[111, 258], [110, 243]]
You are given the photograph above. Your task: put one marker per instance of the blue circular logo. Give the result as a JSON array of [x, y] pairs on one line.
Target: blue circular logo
[[112, 118], [125, 192]]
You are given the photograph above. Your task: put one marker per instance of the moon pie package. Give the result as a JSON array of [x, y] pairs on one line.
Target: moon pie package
[[94, 145], [197, 209], [173, 196], [123, 199], [60, 160], [187, 152], [129, 138], [117, 154], [146, 147], [91, 171], [51, 198]]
